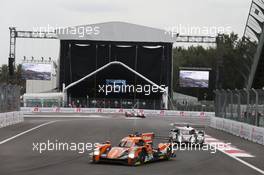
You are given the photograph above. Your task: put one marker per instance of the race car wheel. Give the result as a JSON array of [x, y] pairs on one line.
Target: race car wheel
[[94, 160], [168, 154], [142, 157]]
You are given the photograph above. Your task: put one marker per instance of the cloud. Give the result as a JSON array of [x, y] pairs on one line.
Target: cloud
[[154, 13]]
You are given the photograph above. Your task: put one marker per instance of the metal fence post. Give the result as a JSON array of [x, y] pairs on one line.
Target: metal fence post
[[215, 102], [239, 104], [257, 106], [225, 95], [220, 104], [247, 108], [219, 109], [231, 101]]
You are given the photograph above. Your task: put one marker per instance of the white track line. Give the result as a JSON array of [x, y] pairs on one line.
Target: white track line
[[22, 133], [236, 158], [243, 162], [228, 148]]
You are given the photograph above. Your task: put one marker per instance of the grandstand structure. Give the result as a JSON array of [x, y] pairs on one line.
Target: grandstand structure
[[254, 33]]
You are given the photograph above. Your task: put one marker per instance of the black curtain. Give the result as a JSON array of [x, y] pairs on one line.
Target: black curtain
[[79, 58]]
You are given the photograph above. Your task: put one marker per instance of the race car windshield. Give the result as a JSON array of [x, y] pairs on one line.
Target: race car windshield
[[185, 132], [126, 144]]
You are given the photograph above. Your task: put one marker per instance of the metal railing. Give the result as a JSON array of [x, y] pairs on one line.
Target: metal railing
[[180, 104], [116, 103], [96, 103], [241, 105], [9, 98], [185, 105]]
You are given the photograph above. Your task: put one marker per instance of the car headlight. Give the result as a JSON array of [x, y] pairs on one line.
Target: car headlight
[[131, 155], [96, 152], [179, 138]]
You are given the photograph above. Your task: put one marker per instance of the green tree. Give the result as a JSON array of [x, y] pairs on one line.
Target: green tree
[[4, 77], [17, 79]]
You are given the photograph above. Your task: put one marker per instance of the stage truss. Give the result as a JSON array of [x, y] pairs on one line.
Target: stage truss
[[14, 34]]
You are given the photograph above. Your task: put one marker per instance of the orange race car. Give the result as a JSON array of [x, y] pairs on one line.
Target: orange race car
[[135, 149]]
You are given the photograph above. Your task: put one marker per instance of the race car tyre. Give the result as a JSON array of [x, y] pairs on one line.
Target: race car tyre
[[141, 157], [94, 161], [168, 154]]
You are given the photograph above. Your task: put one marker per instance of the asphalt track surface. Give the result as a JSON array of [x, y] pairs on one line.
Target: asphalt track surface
[[17, 155]]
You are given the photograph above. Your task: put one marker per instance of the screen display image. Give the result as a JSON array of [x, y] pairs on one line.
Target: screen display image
[[116, 84], [36, 71], [194, 78]]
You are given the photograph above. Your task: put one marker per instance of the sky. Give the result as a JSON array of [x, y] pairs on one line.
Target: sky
[[164, 14]]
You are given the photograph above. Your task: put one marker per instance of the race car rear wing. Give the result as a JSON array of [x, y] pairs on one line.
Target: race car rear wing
[[197, 126], [148, 137], [162, 138]]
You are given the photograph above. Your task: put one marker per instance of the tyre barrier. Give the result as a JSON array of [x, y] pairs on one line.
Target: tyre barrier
[[11, 118]]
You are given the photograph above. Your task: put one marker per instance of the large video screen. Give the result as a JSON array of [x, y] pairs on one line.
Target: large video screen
[[117, 84], [194, 78], [36, 71]]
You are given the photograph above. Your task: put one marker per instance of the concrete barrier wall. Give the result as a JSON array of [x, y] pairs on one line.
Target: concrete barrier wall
[[11, 118], [246, 131], [33, 110], [199, 118]]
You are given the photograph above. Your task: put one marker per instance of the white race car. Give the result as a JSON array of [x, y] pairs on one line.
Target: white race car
[[135, 113], [186, 134]]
